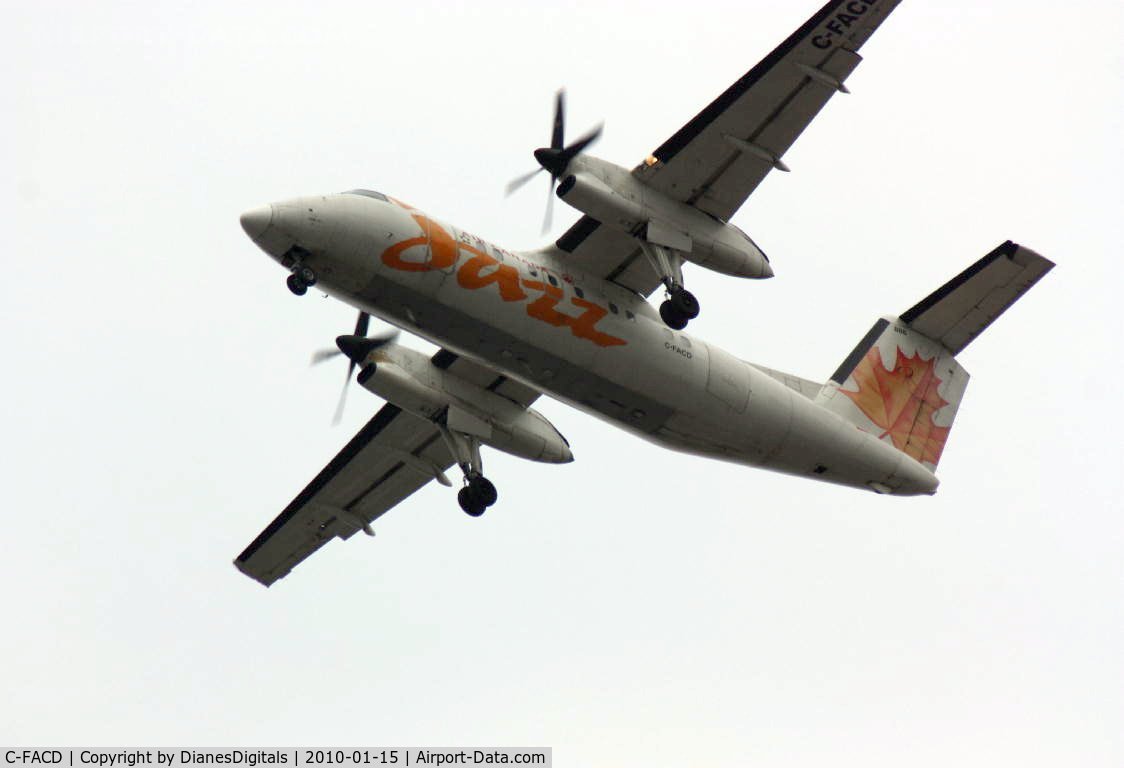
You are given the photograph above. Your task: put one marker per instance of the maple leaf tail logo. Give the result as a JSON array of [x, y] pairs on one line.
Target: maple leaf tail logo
[[902, 402]]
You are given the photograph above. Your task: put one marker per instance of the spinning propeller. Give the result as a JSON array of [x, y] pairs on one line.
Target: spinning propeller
[[557, 156], [356, 347]]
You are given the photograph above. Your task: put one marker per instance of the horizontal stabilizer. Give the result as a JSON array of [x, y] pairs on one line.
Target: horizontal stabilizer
[[902, 382], [960, 309]]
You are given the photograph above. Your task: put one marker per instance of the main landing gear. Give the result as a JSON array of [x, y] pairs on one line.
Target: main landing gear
[[681, 305], [680, 308], [478, 492], [477, 495]]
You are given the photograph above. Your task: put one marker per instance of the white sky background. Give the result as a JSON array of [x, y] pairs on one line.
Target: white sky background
[[634, 608]]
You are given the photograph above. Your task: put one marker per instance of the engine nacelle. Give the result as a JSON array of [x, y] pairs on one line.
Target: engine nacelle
[[592, 196], [650, 215], [408, 380], [395, 385]]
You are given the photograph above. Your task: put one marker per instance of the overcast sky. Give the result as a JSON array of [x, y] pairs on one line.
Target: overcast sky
[[636, 607]]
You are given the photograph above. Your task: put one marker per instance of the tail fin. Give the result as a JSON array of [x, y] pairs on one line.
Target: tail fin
[[902, 382]]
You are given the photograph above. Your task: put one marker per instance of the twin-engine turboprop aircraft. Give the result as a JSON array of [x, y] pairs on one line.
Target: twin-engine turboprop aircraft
[[571, 320]]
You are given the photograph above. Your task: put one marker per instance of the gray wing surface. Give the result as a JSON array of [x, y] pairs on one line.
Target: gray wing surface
[[483, 376], [392, 456], [389, 459], [718, 158], [960, 309], [609, 254]]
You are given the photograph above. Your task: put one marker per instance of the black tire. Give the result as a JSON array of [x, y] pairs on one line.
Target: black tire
[[686, 303], [484, 490], [296, 285], [470, 502], [672, 317], [307, 276]]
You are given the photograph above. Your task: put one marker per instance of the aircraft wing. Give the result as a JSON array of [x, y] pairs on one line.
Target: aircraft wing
[[390, 458], [485, 377], [718, 158], [608, 253]]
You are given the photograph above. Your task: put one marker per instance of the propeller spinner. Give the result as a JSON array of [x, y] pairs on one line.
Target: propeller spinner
[[355, 347], [555, 158]]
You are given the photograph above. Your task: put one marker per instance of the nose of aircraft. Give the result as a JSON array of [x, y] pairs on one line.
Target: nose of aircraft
[[256, 221]]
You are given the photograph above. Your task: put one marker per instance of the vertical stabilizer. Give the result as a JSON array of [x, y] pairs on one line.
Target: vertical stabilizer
[[902, 382]]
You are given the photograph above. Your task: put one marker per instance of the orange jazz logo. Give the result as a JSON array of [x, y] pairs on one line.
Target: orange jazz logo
[[481, 270]]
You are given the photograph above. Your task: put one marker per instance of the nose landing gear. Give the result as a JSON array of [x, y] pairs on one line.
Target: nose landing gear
[[302, 278]]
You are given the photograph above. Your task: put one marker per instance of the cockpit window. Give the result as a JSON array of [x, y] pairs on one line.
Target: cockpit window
[[368, 193]]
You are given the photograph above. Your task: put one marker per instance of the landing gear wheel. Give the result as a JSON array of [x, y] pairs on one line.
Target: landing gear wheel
[[672, 317], [306, 275], [296, 285], [470, 502], [484, 490], [685, 303]]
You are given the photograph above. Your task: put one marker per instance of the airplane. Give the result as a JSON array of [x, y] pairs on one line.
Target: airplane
[[572, 320]]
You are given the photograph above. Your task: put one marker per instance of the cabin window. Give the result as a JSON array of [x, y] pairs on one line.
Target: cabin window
[[552, 280], [579, 292], [629, 315], [613, 308]]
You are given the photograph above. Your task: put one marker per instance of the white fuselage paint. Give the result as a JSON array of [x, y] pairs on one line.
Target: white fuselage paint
[[662, 385]]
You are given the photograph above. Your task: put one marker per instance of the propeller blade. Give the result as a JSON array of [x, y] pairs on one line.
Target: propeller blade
[[579, 146], [549, 208], [515, 184], [361, 324], [556, 158], [354, 342], [322, 355], [343, 397], [558, 134]]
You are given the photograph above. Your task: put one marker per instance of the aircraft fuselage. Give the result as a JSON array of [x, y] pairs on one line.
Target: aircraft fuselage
[[575, 337]]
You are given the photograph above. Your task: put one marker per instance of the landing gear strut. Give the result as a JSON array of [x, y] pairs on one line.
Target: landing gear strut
[[478, 492], [681, 305]]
